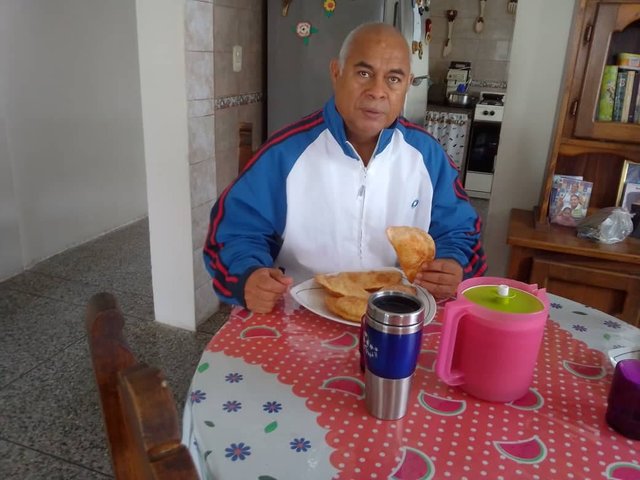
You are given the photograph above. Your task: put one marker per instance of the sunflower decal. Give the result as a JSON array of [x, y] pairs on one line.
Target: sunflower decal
[[329, 7], [304, 30]]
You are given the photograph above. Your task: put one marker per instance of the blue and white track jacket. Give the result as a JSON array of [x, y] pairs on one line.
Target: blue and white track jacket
[[306, 203]]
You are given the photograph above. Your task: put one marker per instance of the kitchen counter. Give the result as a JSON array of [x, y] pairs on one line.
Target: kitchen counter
[[444, 107]]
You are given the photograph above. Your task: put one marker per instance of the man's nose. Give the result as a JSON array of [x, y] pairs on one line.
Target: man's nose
[[378, 87]]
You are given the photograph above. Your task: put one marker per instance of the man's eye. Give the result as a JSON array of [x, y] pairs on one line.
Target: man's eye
[[394, 80], [364, 74]]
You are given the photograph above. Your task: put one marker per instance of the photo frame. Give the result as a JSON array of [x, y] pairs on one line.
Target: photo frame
[[630, 174]]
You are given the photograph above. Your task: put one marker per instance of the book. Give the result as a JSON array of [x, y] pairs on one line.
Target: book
[[626, 101], [569, 200], [621, 88], [607, 93], [633, 115]]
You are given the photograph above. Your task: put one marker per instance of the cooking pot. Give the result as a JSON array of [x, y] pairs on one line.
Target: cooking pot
[[461, 99]]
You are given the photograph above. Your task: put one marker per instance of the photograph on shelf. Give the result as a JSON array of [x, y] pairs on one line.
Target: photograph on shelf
[[569, 200], [630, 174], [630, 195]]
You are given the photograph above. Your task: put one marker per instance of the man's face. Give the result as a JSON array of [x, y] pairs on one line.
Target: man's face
[[370, 89], [573, 201]]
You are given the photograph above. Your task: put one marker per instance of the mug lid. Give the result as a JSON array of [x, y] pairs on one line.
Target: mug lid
[[503, 298]]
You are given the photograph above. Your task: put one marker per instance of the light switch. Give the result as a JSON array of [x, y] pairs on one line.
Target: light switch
[[237, 58]]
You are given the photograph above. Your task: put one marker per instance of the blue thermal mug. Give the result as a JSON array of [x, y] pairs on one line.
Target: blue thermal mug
[[391, 338]]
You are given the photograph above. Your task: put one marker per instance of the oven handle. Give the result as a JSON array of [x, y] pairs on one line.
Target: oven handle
[[418, 80]]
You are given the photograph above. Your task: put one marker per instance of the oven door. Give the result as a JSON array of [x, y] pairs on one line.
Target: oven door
[[481, 155]]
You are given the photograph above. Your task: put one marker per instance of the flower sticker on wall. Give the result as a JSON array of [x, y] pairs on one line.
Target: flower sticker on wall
[[304, 30], [329, 7]]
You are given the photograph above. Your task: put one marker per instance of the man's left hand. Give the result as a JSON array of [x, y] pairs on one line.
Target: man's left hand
[[440, 277]]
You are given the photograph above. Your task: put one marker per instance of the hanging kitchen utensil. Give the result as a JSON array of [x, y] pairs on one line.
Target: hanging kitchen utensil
[[479, 25], [285, 7], [512, 6], [448, 46]]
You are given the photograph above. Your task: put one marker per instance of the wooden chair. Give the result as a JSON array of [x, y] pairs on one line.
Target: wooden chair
[[139, 414]]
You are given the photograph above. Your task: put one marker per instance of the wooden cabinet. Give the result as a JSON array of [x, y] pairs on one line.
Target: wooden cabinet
[[581, 145], [606, 277]]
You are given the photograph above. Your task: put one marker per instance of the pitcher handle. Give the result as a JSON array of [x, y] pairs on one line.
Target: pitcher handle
[[452, 314]]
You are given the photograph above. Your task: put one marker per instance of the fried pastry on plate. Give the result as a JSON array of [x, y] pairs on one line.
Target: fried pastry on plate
[[401, 287], [374, 279], [342, 285], [413, 247], [349, 308]]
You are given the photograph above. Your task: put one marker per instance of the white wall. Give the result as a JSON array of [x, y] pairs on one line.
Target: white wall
[[72, 133], [161, 43], [537, 64]]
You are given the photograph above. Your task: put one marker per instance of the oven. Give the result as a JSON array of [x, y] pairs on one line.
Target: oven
[[483, 145]]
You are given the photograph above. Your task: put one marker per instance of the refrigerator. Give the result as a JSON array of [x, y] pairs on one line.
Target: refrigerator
[[298, 81]]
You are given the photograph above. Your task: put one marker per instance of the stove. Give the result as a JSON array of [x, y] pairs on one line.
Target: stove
[[489, 108], [483, 144]]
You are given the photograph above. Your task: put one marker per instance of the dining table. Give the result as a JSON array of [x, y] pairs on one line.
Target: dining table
[[281, 396]]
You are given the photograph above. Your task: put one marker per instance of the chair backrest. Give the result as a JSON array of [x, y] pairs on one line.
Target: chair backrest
[[138, 410]]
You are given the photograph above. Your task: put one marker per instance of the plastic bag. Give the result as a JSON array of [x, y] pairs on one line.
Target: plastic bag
[[608, 225]]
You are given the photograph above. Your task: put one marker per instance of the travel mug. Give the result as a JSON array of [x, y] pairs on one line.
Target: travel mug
[[392, 333], [623, 406]]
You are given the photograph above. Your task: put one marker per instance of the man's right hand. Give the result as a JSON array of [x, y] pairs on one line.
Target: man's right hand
[[264, 288]]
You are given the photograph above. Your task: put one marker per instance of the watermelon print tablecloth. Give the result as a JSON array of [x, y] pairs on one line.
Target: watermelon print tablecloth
[[280, 396]]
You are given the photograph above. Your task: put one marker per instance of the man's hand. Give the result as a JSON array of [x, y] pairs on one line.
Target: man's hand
[[440, 277], [264, 288]]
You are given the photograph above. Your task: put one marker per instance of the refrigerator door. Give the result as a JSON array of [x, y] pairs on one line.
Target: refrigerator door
[[298, 81]]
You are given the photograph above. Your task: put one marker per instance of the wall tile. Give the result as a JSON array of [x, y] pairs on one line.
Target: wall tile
[[200, 108], [251, 75], [201, 138], [200, 223], [226, 128], [226, 28], [468, 45], [199, 28], [206, 302], [203, 182], [200, 275], [239, 3], [199, 75], [492, 70], [226, 168], [226, 80]]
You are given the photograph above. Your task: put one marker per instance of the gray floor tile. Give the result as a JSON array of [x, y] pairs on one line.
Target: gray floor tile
[[77, 293], [19, 463], [55, 409], [35, 331]]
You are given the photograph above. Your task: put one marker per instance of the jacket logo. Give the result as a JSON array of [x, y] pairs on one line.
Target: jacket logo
[[415, 203]]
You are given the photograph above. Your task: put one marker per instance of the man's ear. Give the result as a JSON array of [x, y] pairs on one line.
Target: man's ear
[[334, 71], [410, 79]]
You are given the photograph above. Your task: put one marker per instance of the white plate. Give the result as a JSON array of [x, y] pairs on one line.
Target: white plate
[[623, 353], [311, 296]]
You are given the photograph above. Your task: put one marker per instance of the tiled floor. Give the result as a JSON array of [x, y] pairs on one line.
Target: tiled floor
[[50, 423]]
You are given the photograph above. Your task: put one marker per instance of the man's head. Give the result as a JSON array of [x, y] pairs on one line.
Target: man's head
[[574, 201], [370, 79]]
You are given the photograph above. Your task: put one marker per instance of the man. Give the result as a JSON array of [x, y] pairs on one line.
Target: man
[[319, 194]]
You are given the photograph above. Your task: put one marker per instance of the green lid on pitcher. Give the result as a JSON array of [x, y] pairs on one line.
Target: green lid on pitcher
[[503, 298]]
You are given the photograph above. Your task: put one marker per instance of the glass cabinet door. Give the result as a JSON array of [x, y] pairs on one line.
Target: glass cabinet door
[[613, 31]]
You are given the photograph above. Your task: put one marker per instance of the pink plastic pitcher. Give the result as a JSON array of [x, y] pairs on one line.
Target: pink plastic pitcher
[[490, 339]]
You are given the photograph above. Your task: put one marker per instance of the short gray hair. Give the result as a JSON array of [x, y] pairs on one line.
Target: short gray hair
[[348, 41]]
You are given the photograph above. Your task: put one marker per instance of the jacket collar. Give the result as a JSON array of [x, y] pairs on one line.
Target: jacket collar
[[335, 123]]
